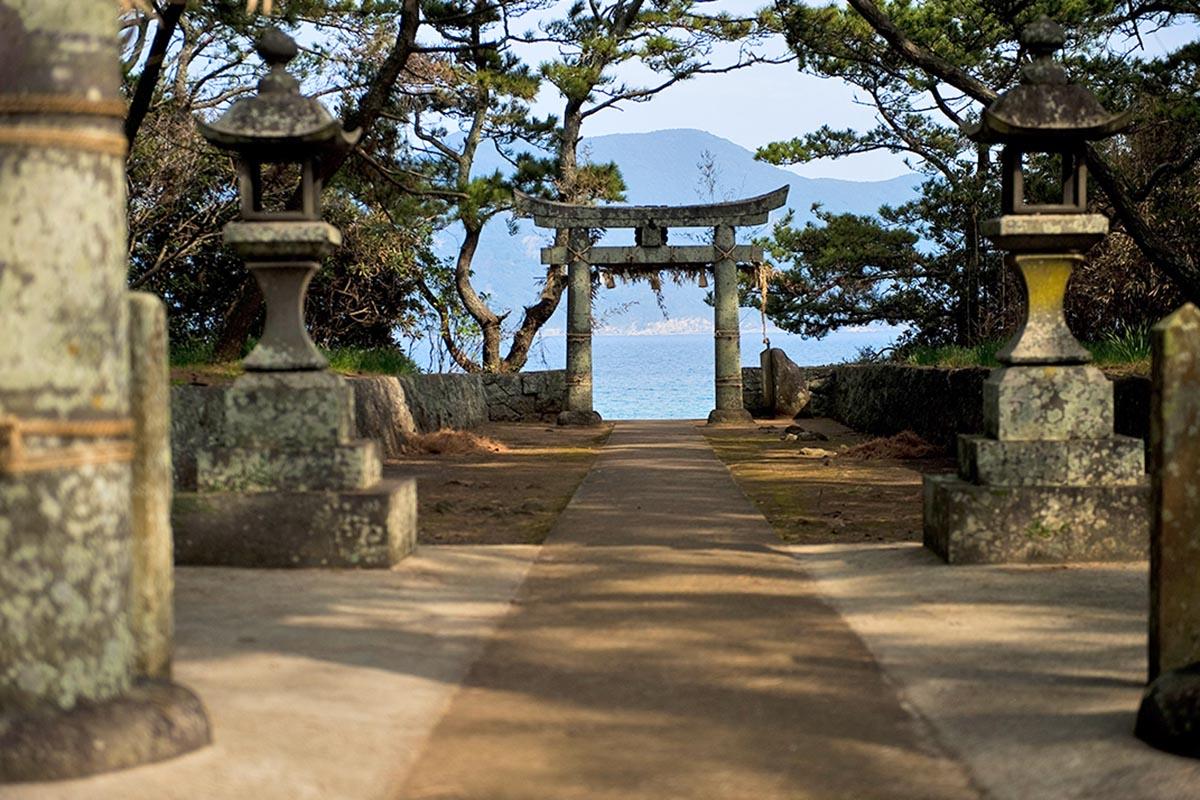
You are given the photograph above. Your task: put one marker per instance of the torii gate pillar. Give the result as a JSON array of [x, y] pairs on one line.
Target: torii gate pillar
[[726, 333], [578, 406]]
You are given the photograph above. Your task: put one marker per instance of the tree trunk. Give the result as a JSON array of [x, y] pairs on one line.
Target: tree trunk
[[489, 322], [239, 322], [148, 80]]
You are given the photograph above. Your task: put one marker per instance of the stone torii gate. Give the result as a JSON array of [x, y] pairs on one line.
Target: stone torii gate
[[651, 253]]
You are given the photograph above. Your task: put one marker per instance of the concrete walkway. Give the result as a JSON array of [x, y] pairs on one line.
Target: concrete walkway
[[661, 648], [320, 684], [1031, 674]]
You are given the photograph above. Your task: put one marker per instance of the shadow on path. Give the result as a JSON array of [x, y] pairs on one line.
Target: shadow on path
[[662, 648]]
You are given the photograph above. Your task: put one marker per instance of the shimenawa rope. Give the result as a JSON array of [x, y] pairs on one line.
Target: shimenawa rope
[[16, 457]]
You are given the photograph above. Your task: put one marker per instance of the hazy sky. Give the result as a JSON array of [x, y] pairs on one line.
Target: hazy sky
[[765, 103]]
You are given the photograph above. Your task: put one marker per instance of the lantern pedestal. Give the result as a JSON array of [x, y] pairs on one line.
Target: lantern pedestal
[[284, 257], [1048, 481], [286, 484]]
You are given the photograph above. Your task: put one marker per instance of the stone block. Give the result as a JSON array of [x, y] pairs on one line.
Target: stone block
[[1052, 403], [1169, 715], [1175, 446], [579, 418], [752, 391], [788, 394], [152, 578], [372, 528], [381, 413], [354, 465], [196, 421], [445, 401], [766, 378], [970, 524], [1117, 460], [524, 396], [288, 410]]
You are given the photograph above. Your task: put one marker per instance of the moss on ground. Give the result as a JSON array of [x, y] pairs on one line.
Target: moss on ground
[[512, 494], [813, 500]]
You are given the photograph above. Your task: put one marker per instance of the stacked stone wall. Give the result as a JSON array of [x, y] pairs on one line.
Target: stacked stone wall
[[524, 396], [752, 391], [940, 403], [388, 409]]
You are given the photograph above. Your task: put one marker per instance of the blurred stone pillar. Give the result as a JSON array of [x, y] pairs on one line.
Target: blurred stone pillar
[[726, 336], [69, 705], [153, 572], [1169, 717]]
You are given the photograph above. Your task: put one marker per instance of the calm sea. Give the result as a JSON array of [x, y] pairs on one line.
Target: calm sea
[[671, 376]]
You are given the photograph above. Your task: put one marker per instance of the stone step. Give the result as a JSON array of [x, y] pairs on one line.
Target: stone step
[[1051, 402], [1112, 461], [375, 527], [353, 465], [970, 524]]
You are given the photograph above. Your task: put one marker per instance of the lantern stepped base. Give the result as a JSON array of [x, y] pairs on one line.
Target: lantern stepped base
[[1051, 402], [368, 528], [970, 524], [1115, 461], [354, 465], [153, 721]]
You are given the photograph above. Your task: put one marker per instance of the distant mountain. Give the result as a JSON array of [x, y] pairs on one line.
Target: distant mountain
[[662, 167]]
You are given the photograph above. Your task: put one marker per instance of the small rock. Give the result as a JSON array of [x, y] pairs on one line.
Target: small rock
[[802, 434], [1169, 717], [816, 452]]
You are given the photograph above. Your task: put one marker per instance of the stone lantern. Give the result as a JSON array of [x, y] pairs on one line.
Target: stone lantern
[[282, 479], [279, 128], [1048, 481], [1045, 114]]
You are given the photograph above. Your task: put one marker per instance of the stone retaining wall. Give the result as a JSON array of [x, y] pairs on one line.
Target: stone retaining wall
[[524, 396], [940, 403], [387, 408], [752, 391]]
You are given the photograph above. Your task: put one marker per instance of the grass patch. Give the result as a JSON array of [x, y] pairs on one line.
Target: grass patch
[[873, 497], [194, 362], [1128, 347], [505, 483], [370, 361], [981, 355]]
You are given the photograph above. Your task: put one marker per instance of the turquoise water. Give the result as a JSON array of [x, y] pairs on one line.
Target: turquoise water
[[671, 376]]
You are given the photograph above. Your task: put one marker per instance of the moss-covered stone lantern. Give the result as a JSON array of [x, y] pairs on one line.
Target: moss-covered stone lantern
[[283, 479], [1048, 480], [1045, 114], [279, 127]]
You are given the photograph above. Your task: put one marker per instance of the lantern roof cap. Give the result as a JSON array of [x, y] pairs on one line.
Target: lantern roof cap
[[278, 123], [1045, 106]]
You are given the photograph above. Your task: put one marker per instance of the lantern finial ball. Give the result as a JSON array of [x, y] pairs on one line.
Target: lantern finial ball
[[1043, 37], [276, 47]]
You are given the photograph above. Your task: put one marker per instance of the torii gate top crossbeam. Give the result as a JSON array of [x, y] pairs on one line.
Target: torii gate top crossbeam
[[551, 214]]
